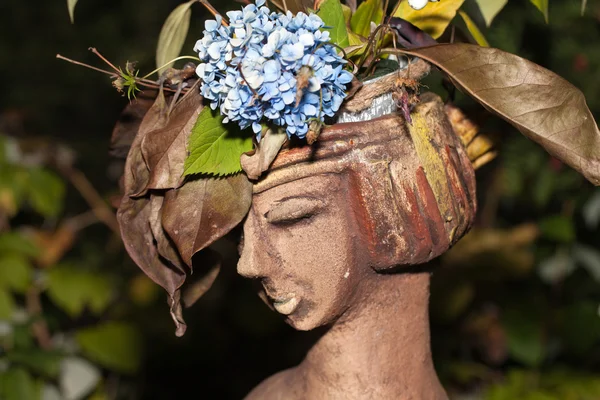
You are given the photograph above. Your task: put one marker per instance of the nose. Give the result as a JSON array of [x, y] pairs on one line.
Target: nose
[[248, 264]]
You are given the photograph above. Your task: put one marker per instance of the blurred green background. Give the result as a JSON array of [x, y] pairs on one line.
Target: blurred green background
[[515, 305]]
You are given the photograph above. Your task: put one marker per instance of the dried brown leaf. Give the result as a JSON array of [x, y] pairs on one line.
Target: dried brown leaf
[[136, 173], [204, 210], [164, 149], [137, 215], [165, 246], [257, 161], [540, 104]]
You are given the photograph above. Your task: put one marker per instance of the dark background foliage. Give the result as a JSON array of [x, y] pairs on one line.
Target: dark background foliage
[[515, 306]]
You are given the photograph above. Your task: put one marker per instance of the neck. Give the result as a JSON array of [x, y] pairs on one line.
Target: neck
[[380, 350]]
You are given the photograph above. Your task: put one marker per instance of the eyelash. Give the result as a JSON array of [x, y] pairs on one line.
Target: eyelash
[[292, 221]]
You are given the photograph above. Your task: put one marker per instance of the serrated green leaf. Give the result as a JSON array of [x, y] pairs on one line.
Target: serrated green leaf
[[71, 7], [18, 384], [172, 35], [367, 12], [332, 14], [15, 272], [215, 148], [7, 304], [541, 5], [490, 8], [13, 242], [46, 192], [474, 30], [114, 345], [73, 288]]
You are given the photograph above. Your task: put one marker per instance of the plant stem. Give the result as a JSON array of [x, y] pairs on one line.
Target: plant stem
[[85, 65], [96, 52], [213, 11], [172, 61]]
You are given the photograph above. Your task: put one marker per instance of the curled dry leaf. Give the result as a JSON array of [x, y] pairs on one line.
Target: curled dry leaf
[[164, 245], [136, 174], [540, 104], [204, 210], [164, 148], [137, 217], [257, 161]]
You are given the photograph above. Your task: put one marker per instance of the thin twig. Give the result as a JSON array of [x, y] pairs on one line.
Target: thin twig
[[175, 97], [86, 65], [39, 327], [395, 8], [96, 52], [213, 11], [97, 204]]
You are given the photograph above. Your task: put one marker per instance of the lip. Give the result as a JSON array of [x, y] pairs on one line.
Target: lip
[[285, 306]]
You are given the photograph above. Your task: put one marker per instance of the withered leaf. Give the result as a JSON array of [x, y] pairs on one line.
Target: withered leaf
[[542, 105], [165, 246], [136, 173], [257, 161], [164, 149], [136, 215], [204, 210]]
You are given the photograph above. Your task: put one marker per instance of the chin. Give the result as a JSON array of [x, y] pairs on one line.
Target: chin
[[303, 324]]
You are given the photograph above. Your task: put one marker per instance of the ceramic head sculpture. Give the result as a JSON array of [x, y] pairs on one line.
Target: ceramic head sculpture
[[331, 224]]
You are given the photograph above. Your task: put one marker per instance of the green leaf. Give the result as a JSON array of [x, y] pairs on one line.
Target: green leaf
[[114, 345], [333, 16], [15, 272], [42, 362], [72, 289], [580, 329], [541, 5], [17, 384], [367, 12], [524, 335], [7, 304], [13, 242], [583, 6], [173, 34], [474, 30], [490, 8], [46, 192], [215, 148], [71, 6], [558, 228]]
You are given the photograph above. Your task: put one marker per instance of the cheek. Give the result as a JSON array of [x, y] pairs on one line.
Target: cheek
[[318, 260]]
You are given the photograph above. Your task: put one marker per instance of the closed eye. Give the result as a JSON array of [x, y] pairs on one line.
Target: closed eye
[[293, 209]]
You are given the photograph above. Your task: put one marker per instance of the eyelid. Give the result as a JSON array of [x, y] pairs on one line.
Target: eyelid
[[294, 208]]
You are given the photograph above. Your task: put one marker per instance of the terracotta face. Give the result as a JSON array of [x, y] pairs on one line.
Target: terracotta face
[[300, 241]]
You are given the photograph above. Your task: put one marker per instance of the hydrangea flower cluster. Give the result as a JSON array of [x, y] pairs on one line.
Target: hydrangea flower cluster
[[271, 65]]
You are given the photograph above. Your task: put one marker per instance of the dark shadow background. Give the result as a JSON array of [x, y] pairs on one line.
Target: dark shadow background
[[233, 341]]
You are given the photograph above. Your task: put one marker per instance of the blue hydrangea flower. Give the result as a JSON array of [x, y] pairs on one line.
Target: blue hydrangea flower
[[268, 66]]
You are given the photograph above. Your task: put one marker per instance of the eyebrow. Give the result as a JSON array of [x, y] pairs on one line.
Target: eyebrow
[[293, 208]]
